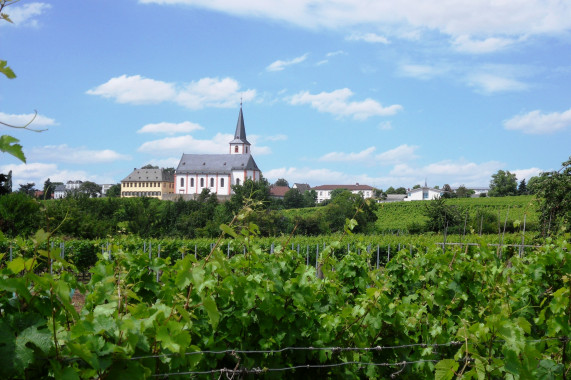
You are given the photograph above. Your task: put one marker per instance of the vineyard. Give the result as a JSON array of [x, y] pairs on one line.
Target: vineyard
[[350, 307]]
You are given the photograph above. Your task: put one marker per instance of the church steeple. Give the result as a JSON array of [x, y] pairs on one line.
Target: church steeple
[[240, 144]]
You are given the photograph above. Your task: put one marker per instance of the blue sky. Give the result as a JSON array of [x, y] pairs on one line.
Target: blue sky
[[382, 93]]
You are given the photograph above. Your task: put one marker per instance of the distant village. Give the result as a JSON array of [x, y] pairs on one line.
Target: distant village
[[218, 172]]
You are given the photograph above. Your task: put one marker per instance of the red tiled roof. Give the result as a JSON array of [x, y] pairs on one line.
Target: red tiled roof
[[278, 191]]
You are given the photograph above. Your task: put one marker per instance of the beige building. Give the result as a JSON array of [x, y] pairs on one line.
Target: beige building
[[153, 183]]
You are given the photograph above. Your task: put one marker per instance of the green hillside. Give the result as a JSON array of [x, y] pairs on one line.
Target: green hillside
[[405, 216]]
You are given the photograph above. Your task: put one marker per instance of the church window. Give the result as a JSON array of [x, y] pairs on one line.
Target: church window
[[246, 149], [221, 182], [236, 149], [202, 182], [211, 182], [182, 182], [192, 182], [238, 181]]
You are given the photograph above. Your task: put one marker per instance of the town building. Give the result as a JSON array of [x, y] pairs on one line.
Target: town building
[[155, 183], [324, 191], [424, 193], [218, 172]]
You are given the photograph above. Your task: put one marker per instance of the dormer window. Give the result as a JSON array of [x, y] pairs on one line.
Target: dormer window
[[246, 149], [236, 149]]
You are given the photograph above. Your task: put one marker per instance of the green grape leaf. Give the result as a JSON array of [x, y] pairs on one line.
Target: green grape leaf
[[445, 369], [8, 145], [212, 311], [4, 68]]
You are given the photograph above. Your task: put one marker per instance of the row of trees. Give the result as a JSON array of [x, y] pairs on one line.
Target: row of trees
[[80, 216]]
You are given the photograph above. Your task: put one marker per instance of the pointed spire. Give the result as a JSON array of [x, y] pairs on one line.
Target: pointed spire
[[240, 134]]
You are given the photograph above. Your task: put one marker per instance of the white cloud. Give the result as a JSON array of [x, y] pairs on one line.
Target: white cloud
[[385, 126], [423, 72], [491, 83], [363, 156], [37, 121], [368, 37], [454, 18], [307, 175], [336, 103], [135, 90], [526, 173], [188, 144], [206, 92], [171, 128], [38, 173], [334, 53], [24, 15], [536, 122], [455, 173], [213, 92], [466, 44], [399, 154], [279, 65], [79, 155]]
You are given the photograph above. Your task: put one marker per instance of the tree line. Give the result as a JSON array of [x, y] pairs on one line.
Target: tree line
[[80, 216]]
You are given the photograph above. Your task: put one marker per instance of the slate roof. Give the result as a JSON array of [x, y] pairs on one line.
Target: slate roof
[[141, 175], [302, 187], [215, 163], [240, 134]]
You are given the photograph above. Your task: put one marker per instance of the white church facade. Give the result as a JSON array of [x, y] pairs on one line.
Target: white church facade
[[218, 172]]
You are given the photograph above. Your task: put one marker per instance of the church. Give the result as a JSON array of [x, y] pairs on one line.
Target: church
[[218, 172]]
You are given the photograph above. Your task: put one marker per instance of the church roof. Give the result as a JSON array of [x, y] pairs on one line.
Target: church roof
[[215, 163], [240, 134]]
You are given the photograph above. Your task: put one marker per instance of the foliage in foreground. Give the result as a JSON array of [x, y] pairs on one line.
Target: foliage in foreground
[[465, 314]]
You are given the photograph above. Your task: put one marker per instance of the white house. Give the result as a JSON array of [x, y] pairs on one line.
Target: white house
[[424, 193], [324, 191], [218, 172]]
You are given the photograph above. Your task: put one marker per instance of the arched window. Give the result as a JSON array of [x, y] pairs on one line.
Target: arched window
[[192, 182], [202, 182], [246, 149], [237, 181], [221, 182], [236, 149], [182, 182], [211, 182]]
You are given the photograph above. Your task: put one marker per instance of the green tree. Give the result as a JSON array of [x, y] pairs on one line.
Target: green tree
[[92, 189], [28, 189], [6, 183], [400, 190], [293, 199], [255, 190], [49, 188], [441, 216], [149, 166], [448, 192], [522, 188], [554, 191], [114, 191], [416, 187], [390, 190], [463, 192], [503, 184], [281, 182], [309, 198]]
